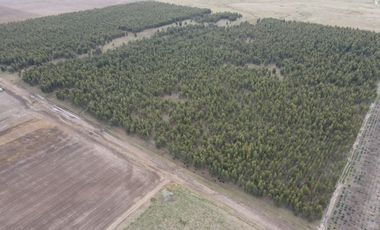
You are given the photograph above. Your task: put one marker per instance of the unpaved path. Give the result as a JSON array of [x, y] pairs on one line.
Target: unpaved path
[[259, 215]]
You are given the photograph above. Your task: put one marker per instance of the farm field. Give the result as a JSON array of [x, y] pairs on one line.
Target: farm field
[[17, 10], [53, 176], [8, 14], [363, 14]]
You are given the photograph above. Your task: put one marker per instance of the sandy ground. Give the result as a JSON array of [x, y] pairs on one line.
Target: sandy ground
[[258, 213], [9, 14], [53, 177], [363, 14], [117, 42], [16, 10]]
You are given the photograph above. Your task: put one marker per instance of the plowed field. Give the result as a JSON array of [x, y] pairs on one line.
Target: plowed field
[[51, 177]]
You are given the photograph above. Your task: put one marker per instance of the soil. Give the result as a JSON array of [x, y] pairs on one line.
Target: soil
[[53, 177], [8, 14], [363, 14], [130, 37], [17, 10]]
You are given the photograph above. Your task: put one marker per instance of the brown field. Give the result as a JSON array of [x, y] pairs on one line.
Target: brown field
[[16, 10], [54, 178], [363, 14], [8, 14]]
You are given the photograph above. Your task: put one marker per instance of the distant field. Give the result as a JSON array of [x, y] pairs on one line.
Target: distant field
[[9, 14], [360, 13], [16, 10], [53, 177], [178, 208], [363, 14]]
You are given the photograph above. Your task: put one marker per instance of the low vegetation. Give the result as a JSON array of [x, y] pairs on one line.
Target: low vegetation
[[39, 40], [286, 139], [178, 208]]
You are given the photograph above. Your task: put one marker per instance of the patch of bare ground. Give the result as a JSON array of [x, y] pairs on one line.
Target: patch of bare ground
[[363, 14], [356, 201], [271, 68], [129, 37], [53, 177], [173, 97], [226, 22]]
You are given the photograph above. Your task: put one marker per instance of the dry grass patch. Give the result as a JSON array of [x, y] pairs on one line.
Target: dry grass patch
[[178, 208]]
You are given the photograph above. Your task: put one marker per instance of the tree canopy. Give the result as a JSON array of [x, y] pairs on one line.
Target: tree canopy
[[213, 99], [36, 41]]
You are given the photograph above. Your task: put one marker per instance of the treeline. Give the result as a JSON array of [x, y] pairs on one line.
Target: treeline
[[39, 40], [206, 95], [215, 17]]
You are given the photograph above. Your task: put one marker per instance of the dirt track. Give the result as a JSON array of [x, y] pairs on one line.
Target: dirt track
[[256, 212]]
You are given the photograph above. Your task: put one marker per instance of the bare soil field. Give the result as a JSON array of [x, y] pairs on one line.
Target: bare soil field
[[356, 202], [16, 10], [54, 178], [8, 14], [363, 14]]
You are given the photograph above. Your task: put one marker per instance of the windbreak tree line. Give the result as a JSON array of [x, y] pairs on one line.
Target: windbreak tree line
[[215, 17], [209, 96], [39, 40]]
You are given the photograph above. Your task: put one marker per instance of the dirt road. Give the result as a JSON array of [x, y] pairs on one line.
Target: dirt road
[[256, 212]]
